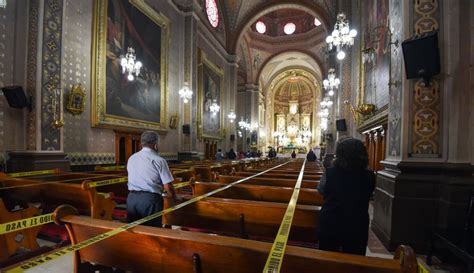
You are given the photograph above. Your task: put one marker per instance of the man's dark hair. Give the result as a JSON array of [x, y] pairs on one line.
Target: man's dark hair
[[351, 154]]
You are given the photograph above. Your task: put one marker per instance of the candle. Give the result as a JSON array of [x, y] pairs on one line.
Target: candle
[[53, 104], [60, 105]]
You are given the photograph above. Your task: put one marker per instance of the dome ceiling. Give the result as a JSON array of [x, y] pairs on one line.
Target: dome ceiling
[[275, 22], [294, 87]]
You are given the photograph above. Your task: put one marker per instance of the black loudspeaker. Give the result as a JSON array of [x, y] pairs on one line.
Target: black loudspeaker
[[16, 97], [341, 125], [186, 129], [421, 55], [232, 137]]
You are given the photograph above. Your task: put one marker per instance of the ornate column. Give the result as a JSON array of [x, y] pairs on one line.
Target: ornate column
[[188, 111], [427, 173], [44, 57]]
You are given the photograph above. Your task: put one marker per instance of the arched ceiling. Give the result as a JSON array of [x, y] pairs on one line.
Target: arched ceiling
[[288, 60]]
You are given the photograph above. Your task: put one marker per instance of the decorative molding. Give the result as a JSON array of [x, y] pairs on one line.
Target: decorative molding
[[395, 92], [380, 117], [31, 71], [426, 102], [51, 74], [77, 159], [169, 156]]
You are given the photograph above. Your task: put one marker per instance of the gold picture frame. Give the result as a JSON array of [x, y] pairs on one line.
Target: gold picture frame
[[103, 113], [174, 119], [76, 101], [208, 125]]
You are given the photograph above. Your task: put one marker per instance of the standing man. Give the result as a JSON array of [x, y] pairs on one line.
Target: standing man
[[148, 177]]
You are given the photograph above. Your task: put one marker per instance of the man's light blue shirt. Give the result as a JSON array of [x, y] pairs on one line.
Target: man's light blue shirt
[[147, 171]]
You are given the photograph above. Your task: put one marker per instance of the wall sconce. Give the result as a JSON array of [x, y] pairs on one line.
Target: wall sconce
[[58, 120], [231, 116], [185, 93]]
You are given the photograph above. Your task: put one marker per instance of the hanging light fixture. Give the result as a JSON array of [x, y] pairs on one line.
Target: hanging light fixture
[[317, 22], [231, 116], [260, 27], [326, 102], [130, 65], [289, 28], [185, 93], [342, 36], [214, 108], [331, 82]]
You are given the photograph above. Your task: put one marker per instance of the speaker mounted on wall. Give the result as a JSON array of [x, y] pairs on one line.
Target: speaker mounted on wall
[[341, 125], [16, 97], [421, 55], [186, 129], [232, 137]]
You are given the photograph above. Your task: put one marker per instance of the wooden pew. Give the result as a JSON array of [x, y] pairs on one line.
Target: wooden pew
[[50, 195], [260, 193], [149, 249], [11, 242], [242, 217], [269, 181]]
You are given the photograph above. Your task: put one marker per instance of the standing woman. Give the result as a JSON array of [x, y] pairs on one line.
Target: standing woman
[[344, 218]]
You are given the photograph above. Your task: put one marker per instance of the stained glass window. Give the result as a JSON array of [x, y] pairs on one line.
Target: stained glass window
[[212, 12]]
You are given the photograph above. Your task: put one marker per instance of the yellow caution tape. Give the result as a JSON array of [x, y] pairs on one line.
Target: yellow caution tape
[[25, 223], [181, 185], [422, 268], [32, 173], [111, 168], [107, 182], [275, 258], [63, 251]]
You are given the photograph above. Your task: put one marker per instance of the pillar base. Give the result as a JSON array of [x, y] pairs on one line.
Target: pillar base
[[413, 198]]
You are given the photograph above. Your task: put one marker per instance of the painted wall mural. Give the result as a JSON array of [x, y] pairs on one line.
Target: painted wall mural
[[118, 102]]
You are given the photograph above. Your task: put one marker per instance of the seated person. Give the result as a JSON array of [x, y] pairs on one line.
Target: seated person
[[219, 155], [311, 156], [231, 154]]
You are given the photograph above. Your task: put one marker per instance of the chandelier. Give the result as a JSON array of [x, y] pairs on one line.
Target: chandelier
[[129, 65], [244, 125], [185, 93], [214, 108], [324, 113], [231, 116], [324, 124], [3, 3], [326, 102], [341, 36], [331, 82]]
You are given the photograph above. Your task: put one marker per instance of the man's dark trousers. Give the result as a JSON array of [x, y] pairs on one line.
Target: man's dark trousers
[[141, 204]]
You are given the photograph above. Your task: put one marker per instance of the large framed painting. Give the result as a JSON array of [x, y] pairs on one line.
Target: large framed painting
[[210, 90], [118, 102], [376, 40]]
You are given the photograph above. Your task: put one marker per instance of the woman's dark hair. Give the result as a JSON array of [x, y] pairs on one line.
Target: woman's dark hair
[[351, 154]]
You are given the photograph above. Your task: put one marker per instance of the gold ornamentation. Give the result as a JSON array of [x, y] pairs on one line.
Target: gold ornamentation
[[100, 118], [174, 121], [366, 109], [76, 102]]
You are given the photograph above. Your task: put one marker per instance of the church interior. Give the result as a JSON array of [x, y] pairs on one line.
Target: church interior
[[254, 108]]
